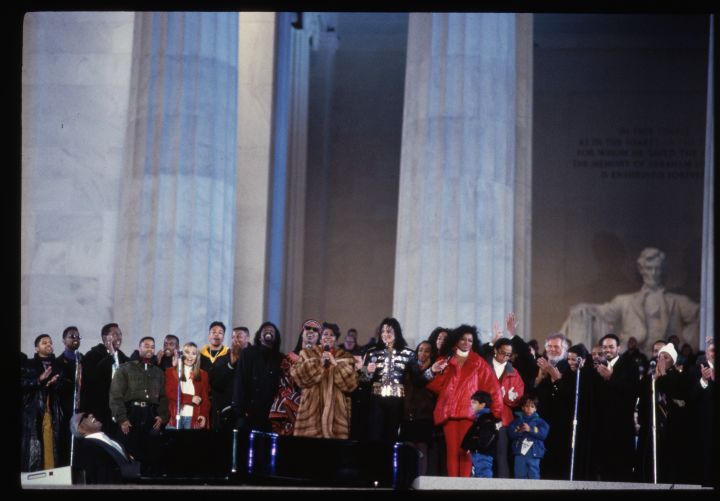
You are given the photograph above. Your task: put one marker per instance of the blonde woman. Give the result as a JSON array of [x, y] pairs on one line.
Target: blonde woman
[[194, 409]]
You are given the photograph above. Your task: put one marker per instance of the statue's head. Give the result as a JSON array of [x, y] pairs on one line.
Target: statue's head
[[650, 265]]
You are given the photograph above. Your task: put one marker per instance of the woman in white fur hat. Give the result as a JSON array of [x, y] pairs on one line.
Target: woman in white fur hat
[[674, 441]]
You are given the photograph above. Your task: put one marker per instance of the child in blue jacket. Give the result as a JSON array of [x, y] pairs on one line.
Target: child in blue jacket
[[528, 433]]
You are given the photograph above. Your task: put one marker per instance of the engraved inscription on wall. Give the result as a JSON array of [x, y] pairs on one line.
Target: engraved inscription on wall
[[641, 153]]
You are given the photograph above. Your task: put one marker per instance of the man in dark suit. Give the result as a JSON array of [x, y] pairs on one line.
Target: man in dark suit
[[550, 370], [98, 458], [67, 364], [257, 376], [222, 380], [98, 366], [702, 411], [617, 392]]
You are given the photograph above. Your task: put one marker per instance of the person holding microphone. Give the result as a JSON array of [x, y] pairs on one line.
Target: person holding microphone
[[458, 373]]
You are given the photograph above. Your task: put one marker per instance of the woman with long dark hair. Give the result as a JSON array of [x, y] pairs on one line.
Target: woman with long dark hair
[[417, 423], [386, 367]]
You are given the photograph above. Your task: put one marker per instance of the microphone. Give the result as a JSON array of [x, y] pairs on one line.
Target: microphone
[[326, 362], [447, 361], [580, 362], [653, 364]]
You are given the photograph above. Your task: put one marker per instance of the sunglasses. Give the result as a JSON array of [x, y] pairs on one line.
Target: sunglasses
[[312, 329], [74, 336]]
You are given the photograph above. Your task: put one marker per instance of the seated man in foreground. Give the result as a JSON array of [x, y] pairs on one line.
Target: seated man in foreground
[[97, 458]]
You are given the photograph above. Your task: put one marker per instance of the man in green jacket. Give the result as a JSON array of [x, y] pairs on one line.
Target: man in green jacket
[[137, 400]]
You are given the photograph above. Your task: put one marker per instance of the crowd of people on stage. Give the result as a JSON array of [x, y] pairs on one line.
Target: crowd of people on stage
[[500, 409]]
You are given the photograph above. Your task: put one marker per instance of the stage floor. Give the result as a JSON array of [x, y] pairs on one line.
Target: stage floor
[[477, 484], [424, 483]]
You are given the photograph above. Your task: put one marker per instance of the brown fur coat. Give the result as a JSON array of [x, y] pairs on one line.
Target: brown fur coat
[[324, 410]]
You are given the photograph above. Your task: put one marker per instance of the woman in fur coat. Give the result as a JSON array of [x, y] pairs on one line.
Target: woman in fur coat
[[326, 373]]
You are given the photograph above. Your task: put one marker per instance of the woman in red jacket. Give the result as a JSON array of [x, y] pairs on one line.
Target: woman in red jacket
[[459, 372], [512, 388], [194, 409]]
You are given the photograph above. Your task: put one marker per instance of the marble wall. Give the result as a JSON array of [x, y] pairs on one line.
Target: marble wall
[[75, 88], [618, 148]]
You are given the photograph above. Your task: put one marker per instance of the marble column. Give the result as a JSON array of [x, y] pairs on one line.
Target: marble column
[[464, 172], [707, 282], [284, 284], [75, 88], [175, 253], [255, 104]]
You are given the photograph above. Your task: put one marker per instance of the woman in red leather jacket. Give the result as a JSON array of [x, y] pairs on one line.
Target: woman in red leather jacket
[[458, 373]]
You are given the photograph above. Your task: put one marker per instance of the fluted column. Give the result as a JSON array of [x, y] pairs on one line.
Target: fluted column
[[464, 155], [175, 256], [255, 123], [707, 285], [288, 178], [75, 86]]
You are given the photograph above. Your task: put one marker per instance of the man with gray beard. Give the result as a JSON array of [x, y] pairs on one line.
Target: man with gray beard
[[551, 367]]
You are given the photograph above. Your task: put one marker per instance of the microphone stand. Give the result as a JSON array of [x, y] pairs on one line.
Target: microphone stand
[[654, 428], [177, 413], [575, 420], [76, 402]]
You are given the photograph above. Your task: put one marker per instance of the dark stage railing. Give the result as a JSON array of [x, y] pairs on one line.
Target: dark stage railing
[[260, 458]]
